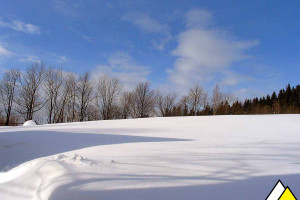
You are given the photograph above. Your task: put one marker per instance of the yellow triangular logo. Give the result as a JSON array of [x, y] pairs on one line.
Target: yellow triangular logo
[[287, 195], [279, 192]]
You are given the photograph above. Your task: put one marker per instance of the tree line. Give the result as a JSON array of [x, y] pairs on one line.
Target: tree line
[[52, 95]]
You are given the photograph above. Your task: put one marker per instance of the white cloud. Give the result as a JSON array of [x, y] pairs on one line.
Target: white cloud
[[21, 26], [69, 8], [4, 51], [4, 54], [162, 42], [62, 59], [204, 51], [122, 66], [198, 18], [233, 78], [145, 22], [51, 56], [151, 25], [59, 58], [29, 58]]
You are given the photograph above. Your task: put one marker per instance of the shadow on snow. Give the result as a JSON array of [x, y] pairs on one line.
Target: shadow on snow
[[247, 189], [19, 147]]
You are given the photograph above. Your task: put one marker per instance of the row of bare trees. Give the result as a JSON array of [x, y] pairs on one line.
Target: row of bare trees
[[51, 95]]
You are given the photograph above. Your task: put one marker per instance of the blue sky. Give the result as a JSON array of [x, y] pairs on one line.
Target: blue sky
[[249, 47]]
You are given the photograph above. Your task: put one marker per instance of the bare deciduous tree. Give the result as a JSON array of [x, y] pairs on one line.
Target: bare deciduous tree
[[124, 104], [52, 84], [29, 100], [217, 98], [107, 91], [183, 104], [70, 94], [165, 103], [143, 99], [85, 91], [8, 87], [196, 98]]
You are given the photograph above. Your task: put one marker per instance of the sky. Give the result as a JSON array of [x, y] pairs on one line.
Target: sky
[[250, 48]]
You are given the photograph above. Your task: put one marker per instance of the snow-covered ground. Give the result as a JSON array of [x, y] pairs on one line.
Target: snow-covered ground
[[213, 157]]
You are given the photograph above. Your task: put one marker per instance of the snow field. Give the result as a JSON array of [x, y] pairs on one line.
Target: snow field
[[157, 158]]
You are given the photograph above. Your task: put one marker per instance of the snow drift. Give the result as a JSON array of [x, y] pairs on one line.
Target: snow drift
[[212, 157], [29, 123]]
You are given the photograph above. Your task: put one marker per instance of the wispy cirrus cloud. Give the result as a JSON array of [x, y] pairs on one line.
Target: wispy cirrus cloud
[[67, 7], [30, 59], [198, 18], [4, 51], [20, 26], [148, 24], [231, 78], [59, 58], [124, 67], [53, 57], [203, 51]]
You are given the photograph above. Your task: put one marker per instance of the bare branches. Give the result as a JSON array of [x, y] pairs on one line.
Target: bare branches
[[29, 97], [85, 91], [217, 98], [8, 88], [107, 91], [143, 100], [69, 100], [165, 103], [65, 97], [53, 81], [196, 98], [125, 104]]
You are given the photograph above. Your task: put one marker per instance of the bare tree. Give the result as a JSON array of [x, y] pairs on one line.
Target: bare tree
[[124, 104], [165, 103], [8, 87], [62, 110], [143, 99], [85, 91], [183, 105], [29, 100], [66, 106], [196, 98], [52, 84], [92, 113], [217, 98], [70, 94], [107, 91]]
